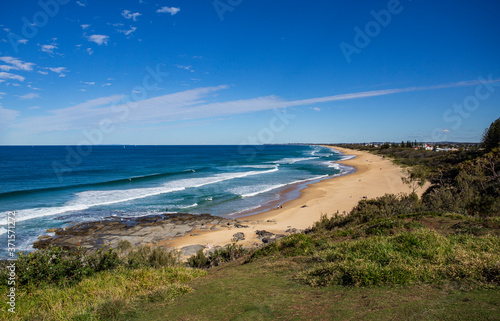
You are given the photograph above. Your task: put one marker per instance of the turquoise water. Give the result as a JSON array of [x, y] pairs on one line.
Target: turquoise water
[[53, 186]]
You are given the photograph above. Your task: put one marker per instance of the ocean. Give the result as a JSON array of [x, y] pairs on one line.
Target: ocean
[[54, 186]]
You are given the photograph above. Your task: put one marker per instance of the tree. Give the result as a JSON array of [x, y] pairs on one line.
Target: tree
[[417, 177], [491, 136]]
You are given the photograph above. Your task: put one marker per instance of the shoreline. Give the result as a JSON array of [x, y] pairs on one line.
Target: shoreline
[[297, 208], [373, 176]]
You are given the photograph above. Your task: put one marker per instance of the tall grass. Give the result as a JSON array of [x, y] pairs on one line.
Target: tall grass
[[104, 296], [54, 284], [421, 256]]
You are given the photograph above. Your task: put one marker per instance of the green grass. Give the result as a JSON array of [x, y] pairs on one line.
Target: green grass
[[264, 290], [416, 257], [423, 266], [104, 296]]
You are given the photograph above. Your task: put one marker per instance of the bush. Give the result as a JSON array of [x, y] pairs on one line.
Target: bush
[[150, 256], [226, 254], [56, 265], [387, 206]]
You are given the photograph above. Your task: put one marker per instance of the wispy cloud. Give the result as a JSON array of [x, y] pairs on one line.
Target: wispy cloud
[[84, 26], [127, 32], [127, 14], [59, 70], [89, 83], [171, 10], [48, 49], [99, 39], [15, 64], [187, 105], [80, 4], [29, 96], [7, 75], [188, 68]]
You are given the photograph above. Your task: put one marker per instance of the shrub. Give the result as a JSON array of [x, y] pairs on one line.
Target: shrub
[[226, 254], [56, 265], [150, 256]]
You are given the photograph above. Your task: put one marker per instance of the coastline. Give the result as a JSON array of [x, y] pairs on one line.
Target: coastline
[[373, 177], [299, 206]]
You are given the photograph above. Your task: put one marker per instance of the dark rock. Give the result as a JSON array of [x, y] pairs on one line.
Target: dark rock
[[238, 237], [292, 231], [237, 225], [142, 230], [263, 234]]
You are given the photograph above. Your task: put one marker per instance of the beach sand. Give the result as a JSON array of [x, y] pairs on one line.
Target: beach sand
[[374, 176]]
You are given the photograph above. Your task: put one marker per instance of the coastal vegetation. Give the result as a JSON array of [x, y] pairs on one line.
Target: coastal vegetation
[[398, 257]]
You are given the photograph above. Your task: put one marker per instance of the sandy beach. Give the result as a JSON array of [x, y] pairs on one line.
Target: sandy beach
[[374, 176]]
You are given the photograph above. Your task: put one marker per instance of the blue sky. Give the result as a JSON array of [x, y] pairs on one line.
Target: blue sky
[[240, 71]]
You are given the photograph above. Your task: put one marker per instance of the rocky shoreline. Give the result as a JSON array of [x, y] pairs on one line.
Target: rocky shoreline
[[146, 230]]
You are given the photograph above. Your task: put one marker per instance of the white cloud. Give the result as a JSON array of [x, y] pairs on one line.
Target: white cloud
[[84, 26], [128, 32], [90, 112], [22, 41], [42, 72], [99, 39], [57, 69], [106, 84], [316, 109], [7, 75], [48, 48], [89, 51], [90, 83], [29, 96], [188, 68], [171, 10], [80, 4], [127, 14], [34, 88], [185, 105], [16, 64]]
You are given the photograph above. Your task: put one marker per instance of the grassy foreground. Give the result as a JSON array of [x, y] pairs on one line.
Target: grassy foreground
[[426, 267]]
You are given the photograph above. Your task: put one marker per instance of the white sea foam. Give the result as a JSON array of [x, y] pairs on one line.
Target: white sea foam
[[332, 164], [259, 166], [294, 160], [3, 230], [346, 157], [250, 191], [87, 199], [187, 206]]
